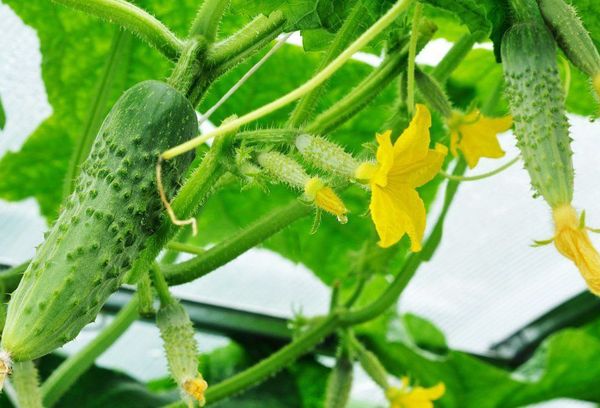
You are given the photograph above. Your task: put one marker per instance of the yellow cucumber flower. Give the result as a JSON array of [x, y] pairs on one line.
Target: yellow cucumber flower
[[572, 240], [476, 135], [196, 388], [414, 397], [396, 207], [325, 198]]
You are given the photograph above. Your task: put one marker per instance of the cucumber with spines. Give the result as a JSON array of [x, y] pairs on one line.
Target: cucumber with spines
[[105, 222], [537, 103]]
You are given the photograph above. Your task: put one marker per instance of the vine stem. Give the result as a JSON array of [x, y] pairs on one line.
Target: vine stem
[[244, 78], [72, 368], [134, 19], [480, 176], [308, 86], [234, 246], [412, 55], [345, 34], [25, 379], [275, 362], [161, 286], [206, 23]]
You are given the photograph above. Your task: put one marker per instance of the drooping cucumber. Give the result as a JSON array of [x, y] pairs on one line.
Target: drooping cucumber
[[536, 97], [104, 225]]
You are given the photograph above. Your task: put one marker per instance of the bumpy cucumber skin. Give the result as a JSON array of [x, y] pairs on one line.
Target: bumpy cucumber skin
[[571, 35], [102, 229], [536, 98], [180, 346]]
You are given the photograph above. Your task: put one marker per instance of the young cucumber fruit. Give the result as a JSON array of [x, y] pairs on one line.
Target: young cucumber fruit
[[102, 229], [536, 97]]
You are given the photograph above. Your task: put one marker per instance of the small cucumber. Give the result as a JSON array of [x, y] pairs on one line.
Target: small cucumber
[[571, 35], [536, 100], [180, 346], [104, 225]]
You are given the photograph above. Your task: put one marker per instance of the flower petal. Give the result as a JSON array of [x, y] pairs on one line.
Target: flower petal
[[397, 210], [385, 158], [413, 144], [479, 137], [572, 241], [422, 171]]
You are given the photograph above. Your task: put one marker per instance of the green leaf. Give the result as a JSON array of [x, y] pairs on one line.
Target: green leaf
[[424, 334], [566, 365], [488, 17], [74, 48], [300, 14], [476, 80], [2, 116]]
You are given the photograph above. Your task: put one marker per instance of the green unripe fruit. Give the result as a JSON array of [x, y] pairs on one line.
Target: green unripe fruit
[[103, 227], [571, 35], [536, 98], [339, 383], [181, 349]]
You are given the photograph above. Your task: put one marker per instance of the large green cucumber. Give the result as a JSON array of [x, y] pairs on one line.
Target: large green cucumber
[[536, 97], [104, 224]]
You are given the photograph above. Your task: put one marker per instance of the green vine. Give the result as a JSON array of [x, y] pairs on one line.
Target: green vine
[[134, 19]]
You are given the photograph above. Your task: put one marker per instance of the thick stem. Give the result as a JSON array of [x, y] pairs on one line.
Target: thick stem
[[72, 368], [275, 362], [119, 52], [387, 298], [25, 379], [359, 97], [133, 19], [186, 73], [455, 56], [308, 86], [237, 244], [189, 198], [347, 32], [254, 36], [208, 19]]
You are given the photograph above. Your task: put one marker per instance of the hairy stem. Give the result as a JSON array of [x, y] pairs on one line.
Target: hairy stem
[[387, 19], [119, 52], [412, 54], [455, 56], [72, 368], [161, 286], [359, 97], [208, 19], [134, 19], [345, 34], [254, 36], [275, 362], [25, 379], [235, 245]]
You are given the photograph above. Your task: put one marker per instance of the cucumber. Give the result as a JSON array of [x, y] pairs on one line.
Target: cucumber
[[104, 224], [181, 349], [572, 37], [536, 99]]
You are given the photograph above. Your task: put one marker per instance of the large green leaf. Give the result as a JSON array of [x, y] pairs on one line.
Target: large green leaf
[[300, 14], [566, 365], [74, 49]]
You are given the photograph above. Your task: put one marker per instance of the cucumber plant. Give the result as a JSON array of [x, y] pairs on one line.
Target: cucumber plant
[[142, 174]]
